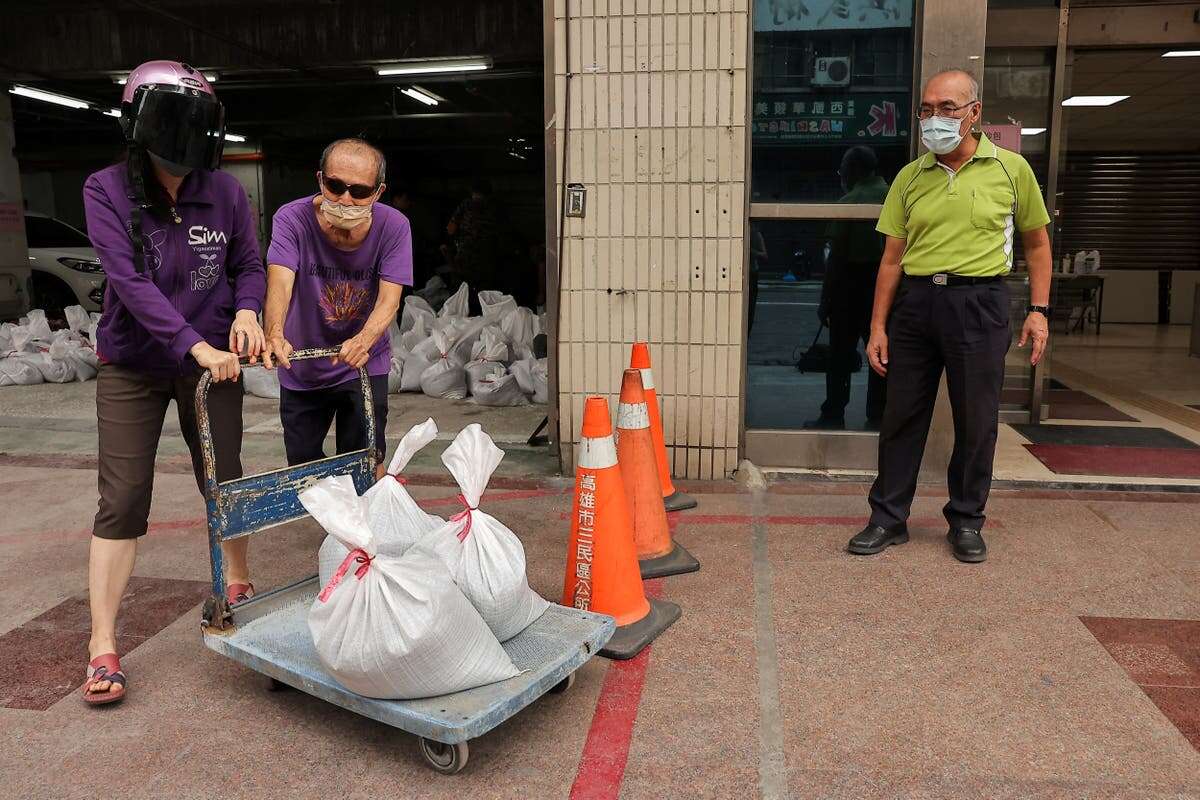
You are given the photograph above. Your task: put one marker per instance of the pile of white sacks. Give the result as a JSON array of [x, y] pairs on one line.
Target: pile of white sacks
[[413, 605], [31, 353], [450, 355]]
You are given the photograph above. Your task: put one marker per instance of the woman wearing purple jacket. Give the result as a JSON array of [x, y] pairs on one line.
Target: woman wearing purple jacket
[[177, 241]]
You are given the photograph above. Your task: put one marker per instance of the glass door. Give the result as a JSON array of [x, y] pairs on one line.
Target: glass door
[[831, 125]]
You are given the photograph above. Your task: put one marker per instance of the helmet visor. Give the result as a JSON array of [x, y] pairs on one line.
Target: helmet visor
[[180, 127]]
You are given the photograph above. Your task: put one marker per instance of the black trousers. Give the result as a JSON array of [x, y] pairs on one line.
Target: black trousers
[[965, 331], [307, 415]]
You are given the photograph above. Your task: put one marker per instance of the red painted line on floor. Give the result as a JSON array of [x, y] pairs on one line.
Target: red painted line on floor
[[606, 751], [79, 533]]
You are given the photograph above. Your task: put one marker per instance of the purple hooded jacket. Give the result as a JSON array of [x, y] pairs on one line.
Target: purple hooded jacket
[[185, 296]]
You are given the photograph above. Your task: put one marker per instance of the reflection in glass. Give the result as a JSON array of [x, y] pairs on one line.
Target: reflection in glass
[[828, 75]]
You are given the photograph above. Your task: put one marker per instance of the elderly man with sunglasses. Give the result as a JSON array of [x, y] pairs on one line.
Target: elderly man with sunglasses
[[941, 304], [338, 263]]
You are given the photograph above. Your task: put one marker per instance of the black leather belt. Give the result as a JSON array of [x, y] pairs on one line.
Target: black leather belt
[[946, 279]]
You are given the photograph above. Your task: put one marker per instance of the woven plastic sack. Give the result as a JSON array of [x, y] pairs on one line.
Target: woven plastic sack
[[466, 333], [488, 352], [498, 388], [16, 370], [261, 382], [457, 304], [39, 328], [419, 359], [520, 326], [496, 305], [53, 363], [394, 628], [532, 375], [77, 319], [445, 377], [489, 566], [393, 516], [415, 308]]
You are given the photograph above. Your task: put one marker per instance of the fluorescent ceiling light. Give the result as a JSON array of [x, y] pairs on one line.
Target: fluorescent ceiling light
[[234, 137], [1032, 131], [121, 79], [434, 66], [48, 97], [1181, 54], [113, 112], [1095, 99], [420, 96], [211, 77]]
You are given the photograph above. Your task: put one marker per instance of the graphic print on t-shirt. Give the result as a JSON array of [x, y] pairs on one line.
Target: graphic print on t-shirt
[[342, 302]]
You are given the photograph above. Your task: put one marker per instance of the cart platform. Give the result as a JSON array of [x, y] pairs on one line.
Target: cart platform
[[272, 637]]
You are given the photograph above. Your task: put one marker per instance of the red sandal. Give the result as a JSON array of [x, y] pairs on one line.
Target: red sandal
[[106, 667], [239, 593]]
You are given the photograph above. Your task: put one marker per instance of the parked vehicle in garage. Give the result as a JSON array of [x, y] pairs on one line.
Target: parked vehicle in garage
[[66, 270]]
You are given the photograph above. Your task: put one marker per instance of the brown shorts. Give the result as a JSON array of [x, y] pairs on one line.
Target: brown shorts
[[130, 409]]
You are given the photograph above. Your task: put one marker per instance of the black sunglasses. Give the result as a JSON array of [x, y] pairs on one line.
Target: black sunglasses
[[357, 190]]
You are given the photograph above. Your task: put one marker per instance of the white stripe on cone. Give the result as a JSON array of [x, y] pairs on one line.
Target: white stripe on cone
[[596, 453], [632, 416], [647, 379]]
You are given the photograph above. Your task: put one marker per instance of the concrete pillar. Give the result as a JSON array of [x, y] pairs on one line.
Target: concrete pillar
[[14, 253]]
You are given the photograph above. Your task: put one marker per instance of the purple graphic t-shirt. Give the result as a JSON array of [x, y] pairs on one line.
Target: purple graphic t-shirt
[[335, 290]]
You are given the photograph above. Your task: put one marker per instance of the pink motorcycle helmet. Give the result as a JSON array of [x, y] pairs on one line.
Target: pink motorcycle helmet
[[171, 111]]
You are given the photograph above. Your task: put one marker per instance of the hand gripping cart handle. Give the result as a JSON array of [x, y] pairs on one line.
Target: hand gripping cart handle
[[249, 505]]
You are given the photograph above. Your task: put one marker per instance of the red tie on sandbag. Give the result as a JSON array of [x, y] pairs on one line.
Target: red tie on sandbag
[[358, 555], [464, 514]]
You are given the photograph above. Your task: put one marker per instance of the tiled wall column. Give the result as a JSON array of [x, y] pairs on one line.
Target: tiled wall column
[[655, 129]]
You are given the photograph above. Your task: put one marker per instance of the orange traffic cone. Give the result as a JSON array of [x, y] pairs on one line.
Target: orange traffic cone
[[602, 565], [657, 553], [673, 499]]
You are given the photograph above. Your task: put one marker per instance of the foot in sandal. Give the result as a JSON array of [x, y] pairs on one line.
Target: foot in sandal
[[105, 680], [239, 592]]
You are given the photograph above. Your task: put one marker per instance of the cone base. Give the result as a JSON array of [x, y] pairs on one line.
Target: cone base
[[676, 562], [629, 640], [679, 501]]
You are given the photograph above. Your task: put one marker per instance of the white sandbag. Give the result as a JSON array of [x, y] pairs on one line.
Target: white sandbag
[[83, 360], [39, 328], [77, 319], [496, 305], [6, 337], [419, 359], [394, 628], [497, 388], [261, 382], [458, 304], [393, 334], [522, 370], [489, 566], [445, 377], [15, 370], [488, 352], [466, 334], [54, 368], [520, 326], [415, 308], [541, 381], [395, 519], [395, 375]]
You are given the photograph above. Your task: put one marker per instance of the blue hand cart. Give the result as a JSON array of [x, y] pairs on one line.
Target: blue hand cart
[[269, 632]]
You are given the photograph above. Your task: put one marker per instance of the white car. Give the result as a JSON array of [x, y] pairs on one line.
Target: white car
[[66, 270]]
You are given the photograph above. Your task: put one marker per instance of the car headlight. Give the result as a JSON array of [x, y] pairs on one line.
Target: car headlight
[[82, 264]]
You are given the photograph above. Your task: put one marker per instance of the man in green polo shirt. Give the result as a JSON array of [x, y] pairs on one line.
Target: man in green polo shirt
[[941, 303]]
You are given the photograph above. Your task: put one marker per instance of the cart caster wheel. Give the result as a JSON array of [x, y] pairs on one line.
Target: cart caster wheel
[[445, 758], [563, 685], [278, 686]]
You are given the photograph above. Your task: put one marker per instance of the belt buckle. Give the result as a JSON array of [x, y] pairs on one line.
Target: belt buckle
[[940, 279]]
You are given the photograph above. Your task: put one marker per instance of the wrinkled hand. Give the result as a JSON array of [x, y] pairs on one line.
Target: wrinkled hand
[[280, 349], [354, 353], [877, 351], [246, 336], [223, 365], [1037, 328]]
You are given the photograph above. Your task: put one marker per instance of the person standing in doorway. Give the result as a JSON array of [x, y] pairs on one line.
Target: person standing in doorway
[[941, 304], [475, 230], [337, 265], [847, 292], [176, 238]]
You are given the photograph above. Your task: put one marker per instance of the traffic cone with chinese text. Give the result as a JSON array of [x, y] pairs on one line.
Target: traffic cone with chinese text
[[602, 565], [658, 555], [673, 499]]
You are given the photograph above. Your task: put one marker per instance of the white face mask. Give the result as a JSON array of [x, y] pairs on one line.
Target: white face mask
[[345, 216], [941, 135]]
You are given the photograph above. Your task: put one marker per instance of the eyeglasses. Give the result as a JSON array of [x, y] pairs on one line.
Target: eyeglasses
[[942, 109], [357, 190]]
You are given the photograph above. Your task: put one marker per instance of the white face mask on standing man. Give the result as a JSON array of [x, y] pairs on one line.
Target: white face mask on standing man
[[942, 134]]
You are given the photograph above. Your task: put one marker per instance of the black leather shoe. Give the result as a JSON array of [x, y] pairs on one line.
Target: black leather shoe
[[824, 424], [967, 545], [875, 539]]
